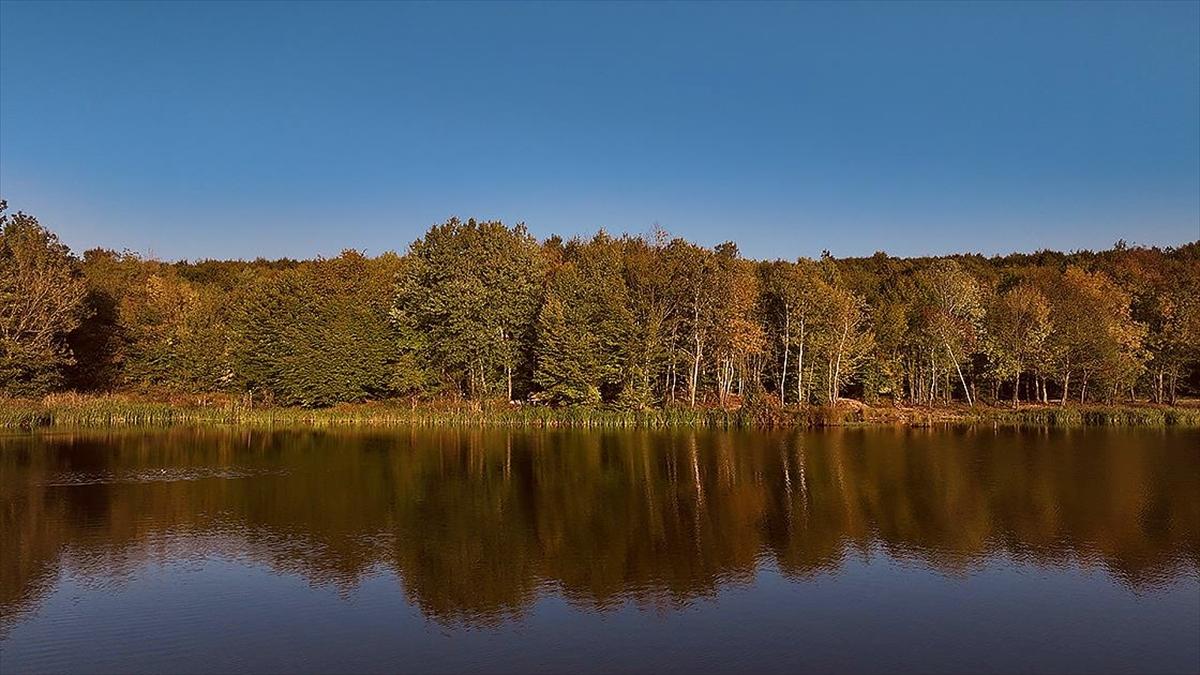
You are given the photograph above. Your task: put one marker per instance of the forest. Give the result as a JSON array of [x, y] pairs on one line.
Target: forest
[[484, 312]]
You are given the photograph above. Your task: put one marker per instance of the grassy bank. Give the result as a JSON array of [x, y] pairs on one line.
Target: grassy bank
[[1097, 415], [114, 411], [105, 411]]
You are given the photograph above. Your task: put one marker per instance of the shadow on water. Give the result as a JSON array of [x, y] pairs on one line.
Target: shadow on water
[[477, 523]]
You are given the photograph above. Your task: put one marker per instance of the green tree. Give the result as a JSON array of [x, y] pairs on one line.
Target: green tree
[[319, 333], [589, 294], [100, 342], [1017, 326], [655, 319], [1163, 286], [175, 334], [951, 314], [1176, 346], [843, 339], [738, 338], [692, 270], [1094, 335], [791, 299], [41, 302], [473, 290], [567, 372]]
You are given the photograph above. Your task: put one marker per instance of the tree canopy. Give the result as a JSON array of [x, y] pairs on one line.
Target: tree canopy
[[480, 310]]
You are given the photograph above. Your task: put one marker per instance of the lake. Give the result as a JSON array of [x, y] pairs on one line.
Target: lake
[[481, 550]]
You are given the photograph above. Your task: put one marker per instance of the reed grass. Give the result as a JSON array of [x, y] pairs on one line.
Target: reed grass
[[103, 411], [76, 410], [1098, 415]]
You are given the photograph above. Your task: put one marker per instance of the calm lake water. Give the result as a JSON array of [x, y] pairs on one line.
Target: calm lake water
[[494, 550]]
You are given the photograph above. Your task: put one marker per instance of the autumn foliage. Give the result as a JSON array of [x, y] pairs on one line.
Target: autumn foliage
[[480, 311]]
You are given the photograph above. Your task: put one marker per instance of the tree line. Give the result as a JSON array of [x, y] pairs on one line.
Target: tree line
[[483, 311]]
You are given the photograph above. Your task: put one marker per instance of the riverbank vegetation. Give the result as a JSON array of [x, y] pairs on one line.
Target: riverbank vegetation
[[99, 411], [478, 319]]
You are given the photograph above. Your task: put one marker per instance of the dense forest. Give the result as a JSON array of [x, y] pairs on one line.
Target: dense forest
[[482, 311]]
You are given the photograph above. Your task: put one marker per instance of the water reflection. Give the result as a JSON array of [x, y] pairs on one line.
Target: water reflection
[[476, 523]]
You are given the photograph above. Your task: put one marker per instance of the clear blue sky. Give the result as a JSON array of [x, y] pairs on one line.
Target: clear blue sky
[[239, 130]]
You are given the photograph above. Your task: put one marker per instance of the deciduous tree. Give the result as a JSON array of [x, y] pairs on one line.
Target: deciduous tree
[[41, 301]]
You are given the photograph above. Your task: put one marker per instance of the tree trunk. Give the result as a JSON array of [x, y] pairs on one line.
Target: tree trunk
[[725, 379], [800, 365], [932, 379], [963, 380], [787, 345], [837, 370], [695, 370], [829, 380]]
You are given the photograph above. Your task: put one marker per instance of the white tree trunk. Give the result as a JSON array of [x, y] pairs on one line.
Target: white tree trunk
[[961, 379], [787, 344], [800, 365]]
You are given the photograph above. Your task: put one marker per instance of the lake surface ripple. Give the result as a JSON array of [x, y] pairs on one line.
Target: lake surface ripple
[[493, 550]]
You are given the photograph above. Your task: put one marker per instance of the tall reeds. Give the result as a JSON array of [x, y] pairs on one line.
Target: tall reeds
[[75, 410]]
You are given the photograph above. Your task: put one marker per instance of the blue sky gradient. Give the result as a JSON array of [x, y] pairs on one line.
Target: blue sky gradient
[[272, 129]]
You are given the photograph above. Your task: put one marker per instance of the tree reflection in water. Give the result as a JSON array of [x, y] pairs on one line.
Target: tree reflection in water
[[476, 523]]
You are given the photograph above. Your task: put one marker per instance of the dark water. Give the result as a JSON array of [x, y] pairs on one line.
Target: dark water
[[438, 550]]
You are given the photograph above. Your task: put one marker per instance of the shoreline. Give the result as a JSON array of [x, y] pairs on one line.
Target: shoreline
[[109, 411]]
